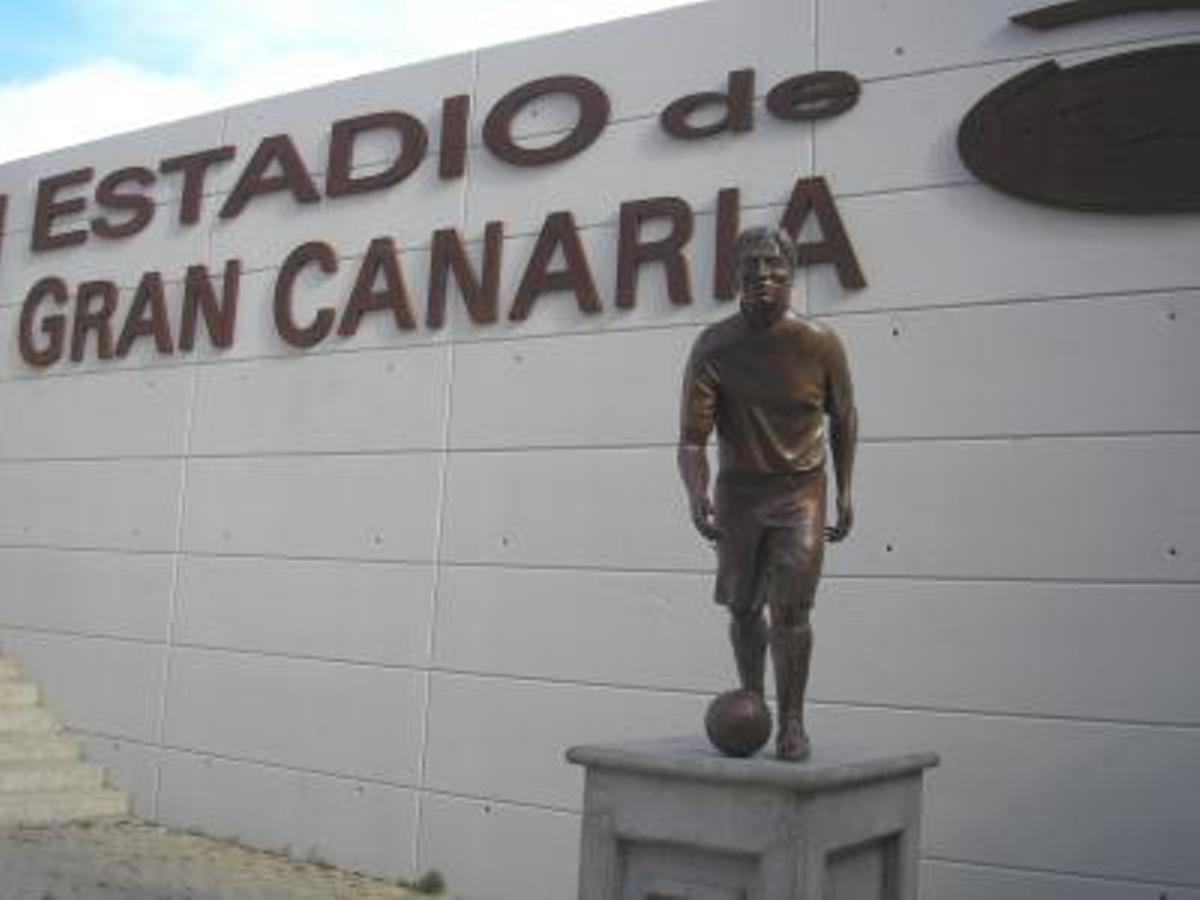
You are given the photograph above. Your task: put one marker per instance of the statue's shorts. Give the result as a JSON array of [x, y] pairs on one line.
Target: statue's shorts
[[773, 540]]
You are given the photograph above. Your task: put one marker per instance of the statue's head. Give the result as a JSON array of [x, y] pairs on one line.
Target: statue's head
[[766, 264]]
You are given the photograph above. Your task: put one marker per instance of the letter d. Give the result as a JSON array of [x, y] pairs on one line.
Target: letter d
[[736, 103]]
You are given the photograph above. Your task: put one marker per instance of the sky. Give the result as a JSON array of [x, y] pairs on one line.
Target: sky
[[75, 70]]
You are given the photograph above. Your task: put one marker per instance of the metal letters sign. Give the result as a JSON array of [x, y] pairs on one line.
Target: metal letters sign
[[60, 320]]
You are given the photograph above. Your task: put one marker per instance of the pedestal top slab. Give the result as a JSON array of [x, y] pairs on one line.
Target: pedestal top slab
[[694, 759]]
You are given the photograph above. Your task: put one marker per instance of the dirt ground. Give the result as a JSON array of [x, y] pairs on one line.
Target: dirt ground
[[129, 860]]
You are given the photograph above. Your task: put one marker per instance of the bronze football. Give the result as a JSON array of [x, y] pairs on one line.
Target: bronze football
[[738, 723]]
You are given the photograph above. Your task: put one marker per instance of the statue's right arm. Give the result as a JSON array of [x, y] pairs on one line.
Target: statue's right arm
[[693, 468], [697, 417]]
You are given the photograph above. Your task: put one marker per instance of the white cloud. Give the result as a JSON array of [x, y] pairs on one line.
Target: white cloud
[[223, 52], [93, 100], [227, 34]]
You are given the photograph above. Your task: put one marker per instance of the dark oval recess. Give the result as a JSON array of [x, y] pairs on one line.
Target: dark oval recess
[[1119, 134]]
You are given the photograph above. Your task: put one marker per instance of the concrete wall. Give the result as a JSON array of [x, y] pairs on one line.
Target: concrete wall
[[355, 602]]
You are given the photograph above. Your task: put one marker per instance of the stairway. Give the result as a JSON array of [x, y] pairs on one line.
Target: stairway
[[42, 780]]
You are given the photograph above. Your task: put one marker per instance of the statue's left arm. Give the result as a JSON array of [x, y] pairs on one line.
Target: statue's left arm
[[698, 412], [843, 434]]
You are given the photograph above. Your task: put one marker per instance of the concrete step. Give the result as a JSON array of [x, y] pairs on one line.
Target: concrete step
[[18, 777], [8, 669], [55, 807], [18, 693], [26, 720], [37, 747]]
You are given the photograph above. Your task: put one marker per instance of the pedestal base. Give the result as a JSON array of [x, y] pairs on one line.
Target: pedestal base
[[674, 820]]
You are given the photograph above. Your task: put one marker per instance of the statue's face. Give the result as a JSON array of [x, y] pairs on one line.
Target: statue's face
[[766, 281]]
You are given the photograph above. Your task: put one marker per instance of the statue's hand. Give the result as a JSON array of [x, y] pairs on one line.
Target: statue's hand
[[845, 521], [704, 518]]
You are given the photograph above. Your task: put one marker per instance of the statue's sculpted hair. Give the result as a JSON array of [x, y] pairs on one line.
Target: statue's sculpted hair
[[777, 237]]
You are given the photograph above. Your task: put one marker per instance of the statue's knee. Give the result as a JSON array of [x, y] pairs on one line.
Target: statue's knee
[[748, 621], [790, 616]]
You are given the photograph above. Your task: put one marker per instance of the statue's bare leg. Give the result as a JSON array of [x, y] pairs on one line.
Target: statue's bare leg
[[791, 654], [793, 574], [748, 635]]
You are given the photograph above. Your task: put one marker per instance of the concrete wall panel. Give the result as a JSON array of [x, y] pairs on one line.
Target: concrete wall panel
[[613, 390], [18, 181], [117, 505], [304, 714], [142, 353], [607, 628], [272, 225], [370, 613], [916, 118], [310, 817], [121, 414], [128, 767], [971, 244], [777, 41], [476, 747], [117, 694], [249, 803], [592, 508], [1010, 647], [364, 507], [1023, 647], [499, 835], [571, 508], [557, 312], [1072, 509], [307, 116], [313, 291], [87, 592], [144, 147], [336, 402], [11, 363], [591, 390], [951, 881], [880, 39], [164, 246], [1097, 365], [635, 160], [1091, 799]]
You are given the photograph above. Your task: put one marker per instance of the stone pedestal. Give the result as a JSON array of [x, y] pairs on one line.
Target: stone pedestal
[[674, 820]]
